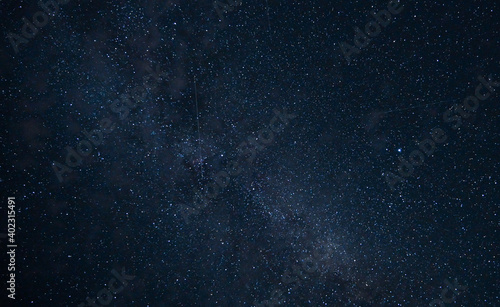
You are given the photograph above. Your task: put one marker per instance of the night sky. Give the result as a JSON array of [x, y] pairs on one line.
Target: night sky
[[251, 153]]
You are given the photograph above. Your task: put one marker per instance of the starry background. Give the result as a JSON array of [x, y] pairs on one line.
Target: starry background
[[318, 185]]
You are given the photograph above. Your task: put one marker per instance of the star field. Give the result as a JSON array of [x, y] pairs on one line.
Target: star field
[[251, 153]]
